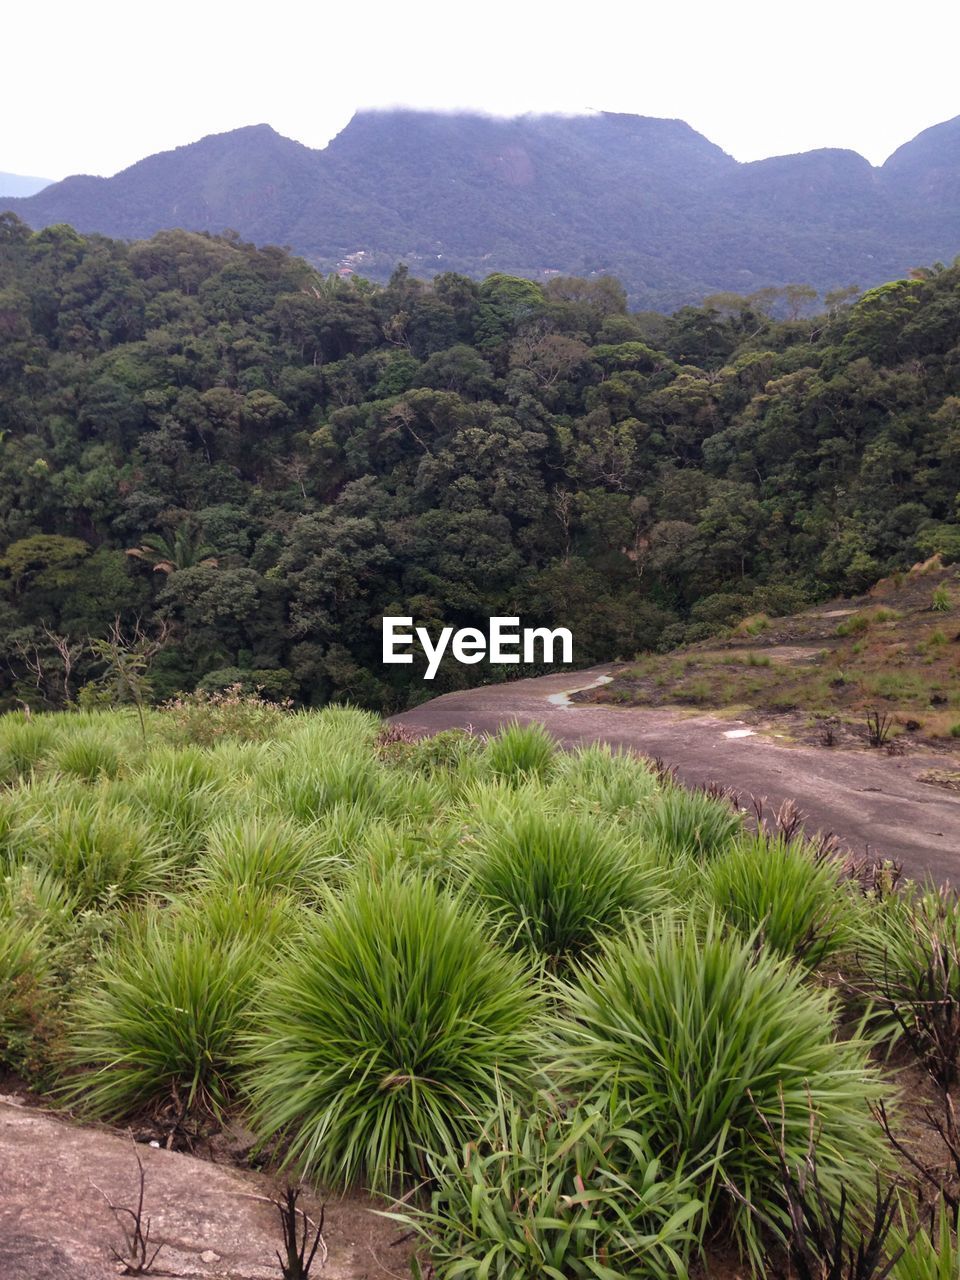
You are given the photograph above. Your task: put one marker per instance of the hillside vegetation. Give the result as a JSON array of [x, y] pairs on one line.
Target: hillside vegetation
[[650, 201], [585, 1022], [258, 463], [883, 664]]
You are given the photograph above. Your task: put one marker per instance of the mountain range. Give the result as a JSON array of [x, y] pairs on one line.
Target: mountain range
[[648, 200], [18, 184]]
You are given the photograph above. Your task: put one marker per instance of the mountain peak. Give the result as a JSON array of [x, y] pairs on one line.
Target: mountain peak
[[939, 141]]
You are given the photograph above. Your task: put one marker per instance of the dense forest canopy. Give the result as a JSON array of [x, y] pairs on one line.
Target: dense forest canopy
[[259, 462]]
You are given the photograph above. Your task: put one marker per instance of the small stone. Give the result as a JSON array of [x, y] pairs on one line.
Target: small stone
[[155, 1144], [209, 1256]]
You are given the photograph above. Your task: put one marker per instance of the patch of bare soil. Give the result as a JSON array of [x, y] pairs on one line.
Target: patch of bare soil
[[58, 1180]]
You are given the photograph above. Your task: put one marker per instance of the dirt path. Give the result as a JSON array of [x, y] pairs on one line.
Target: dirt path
[[871, 801]]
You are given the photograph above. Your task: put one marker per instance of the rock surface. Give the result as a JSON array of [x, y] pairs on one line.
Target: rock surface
[[872, 803], [212, 1220]]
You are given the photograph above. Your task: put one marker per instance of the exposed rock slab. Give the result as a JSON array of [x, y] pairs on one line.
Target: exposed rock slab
[[871, 802], [213, 1220]]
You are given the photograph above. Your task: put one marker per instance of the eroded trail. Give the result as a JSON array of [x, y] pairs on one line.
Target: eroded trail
[[873, 802]]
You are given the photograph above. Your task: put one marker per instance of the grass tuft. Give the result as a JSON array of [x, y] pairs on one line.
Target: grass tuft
[[909, 957], [160, 1022], [386, 1032], [89, 755], [26, 995], [521, 752], [708, 1043], [690, 824], [105, 852], [266, 853], [606, 781], [24, 744], [783, 892], [554, 884]]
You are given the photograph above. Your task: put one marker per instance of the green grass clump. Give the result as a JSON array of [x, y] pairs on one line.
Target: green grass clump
[[940, 601], [933, 1251], [521, 752], [49, 941], [690, 824], [24, 744], [429, 849], [265, 918], [176, 791], [758, 660], [753, 625], [449, 751], [554, 884], [780, 890], [105, 852], [18, 826], [26, 995], [312, 736], [89, 755], [306, 789], [859, 623], [387, 1031], [902, 685], [35, 896], [555, 1193], [698, 691], [855, 625], [699, 1035], [266, 853], [237, 764], [603, 780], [908, 953], [161, 1019]]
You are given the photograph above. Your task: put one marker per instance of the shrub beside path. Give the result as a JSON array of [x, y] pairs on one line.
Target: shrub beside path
[[873, 802]]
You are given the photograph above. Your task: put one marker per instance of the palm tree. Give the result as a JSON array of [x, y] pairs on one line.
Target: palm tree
[[180, 549]]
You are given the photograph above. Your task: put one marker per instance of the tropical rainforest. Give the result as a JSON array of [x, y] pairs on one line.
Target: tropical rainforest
[[217, 460]]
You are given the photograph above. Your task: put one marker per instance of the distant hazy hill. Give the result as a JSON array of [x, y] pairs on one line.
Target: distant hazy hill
[[17, 184], [649, 200]]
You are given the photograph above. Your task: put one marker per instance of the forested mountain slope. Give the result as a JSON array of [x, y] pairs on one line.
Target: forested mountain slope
[[652, 201], [195, 430]]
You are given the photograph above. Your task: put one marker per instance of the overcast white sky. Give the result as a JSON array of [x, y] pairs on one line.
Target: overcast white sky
[[91, 88]]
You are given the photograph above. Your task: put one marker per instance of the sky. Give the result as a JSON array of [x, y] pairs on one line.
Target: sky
[[93, 88]]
